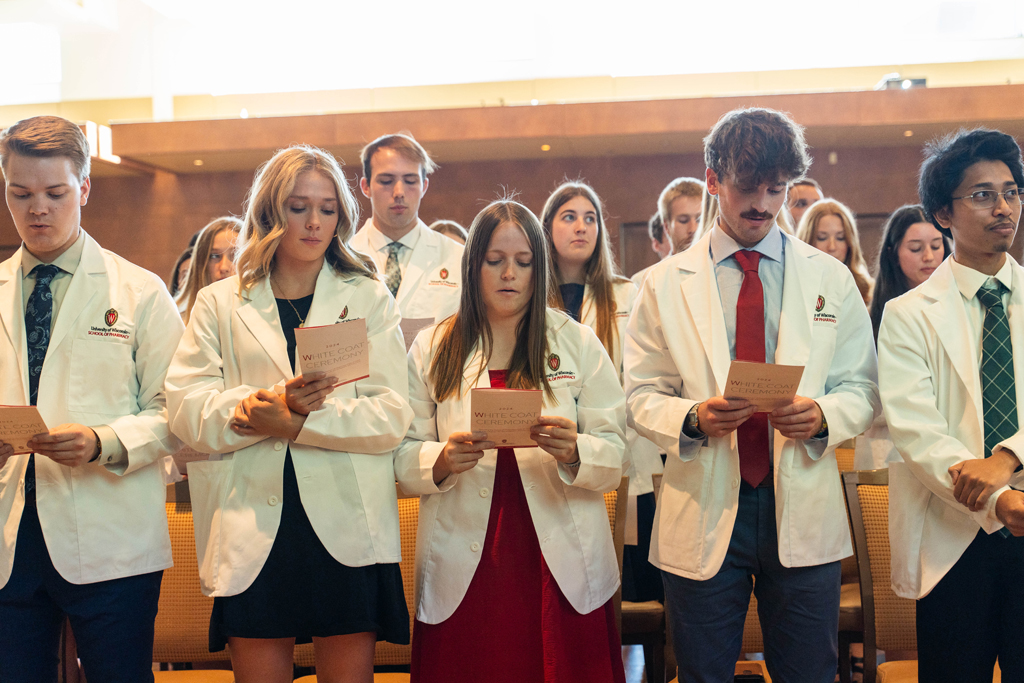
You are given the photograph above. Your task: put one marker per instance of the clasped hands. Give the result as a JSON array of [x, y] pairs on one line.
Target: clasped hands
[[975, 480], [553, 434], [268, 413], [799, 419], [70, 445]]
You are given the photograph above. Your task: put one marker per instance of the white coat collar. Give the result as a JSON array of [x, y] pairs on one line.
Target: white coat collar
[[331, 298]]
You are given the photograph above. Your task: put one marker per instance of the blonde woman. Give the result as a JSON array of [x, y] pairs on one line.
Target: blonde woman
[[515, 565], [830, 227], [296, 515], [213, 259], [586, 284]]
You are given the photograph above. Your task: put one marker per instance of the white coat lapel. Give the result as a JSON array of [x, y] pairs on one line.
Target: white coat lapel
[[425, 254], [330, 302], [1016, 316], [948, 319], [260, 316], [800, 289], [12, 314], [700, 292], [89, 279]]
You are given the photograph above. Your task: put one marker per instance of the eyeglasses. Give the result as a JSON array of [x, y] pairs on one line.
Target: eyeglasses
[[986, 199]]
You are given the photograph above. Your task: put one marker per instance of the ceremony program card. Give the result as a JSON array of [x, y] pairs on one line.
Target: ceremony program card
[[506, 415], [765, 385], [411, 327], [18, 424], [341, 350]]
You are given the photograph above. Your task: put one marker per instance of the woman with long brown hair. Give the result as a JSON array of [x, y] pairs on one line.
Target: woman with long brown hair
[[213, 260], [515, 565], [296, 514], [585, 282]]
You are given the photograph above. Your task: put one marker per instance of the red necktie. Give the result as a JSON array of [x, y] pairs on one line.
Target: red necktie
[[752, 435]]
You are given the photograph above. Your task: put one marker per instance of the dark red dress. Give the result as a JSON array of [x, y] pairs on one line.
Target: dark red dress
[[514, 624]]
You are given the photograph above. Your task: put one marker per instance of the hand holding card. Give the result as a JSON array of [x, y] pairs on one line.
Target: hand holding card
[[341, 350], [506, 415], [18, 424]]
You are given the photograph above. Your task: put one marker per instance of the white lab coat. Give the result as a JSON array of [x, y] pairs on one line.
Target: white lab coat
[[677, 354], [234, 346], [100, 521], [931, 392], [644, 457], [568, 511], [432, 281]]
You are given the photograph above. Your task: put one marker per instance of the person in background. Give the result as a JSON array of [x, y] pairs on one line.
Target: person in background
[[830, 226], [450, 229], [951, 367], [585, 283], [296, 514], [911, 251], [801, 195], [680, 208], [661, 245], [213, 259], [419, 266], [83, 516], [751, 499], [516, 568], [179, 273]]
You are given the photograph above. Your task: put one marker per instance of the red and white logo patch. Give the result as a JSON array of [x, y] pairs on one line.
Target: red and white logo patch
[[110, 317]]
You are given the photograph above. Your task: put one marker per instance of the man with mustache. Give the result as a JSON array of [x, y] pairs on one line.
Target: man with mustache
[[751, 499], [951, 389], [422, 268]]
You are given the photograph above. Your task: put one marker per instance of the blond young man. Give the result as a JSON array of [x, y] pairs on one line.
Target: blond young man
[[87, 339]]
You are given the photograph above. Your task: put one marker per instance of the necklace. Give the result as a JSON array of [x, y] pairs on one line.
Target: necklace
[[302, 321]]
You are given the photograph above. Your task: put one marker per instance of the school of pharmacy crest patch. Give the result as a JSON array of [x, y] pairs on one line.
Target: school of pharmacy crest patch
[[110, 317], [444, 273], [821, 304], [554, 362]]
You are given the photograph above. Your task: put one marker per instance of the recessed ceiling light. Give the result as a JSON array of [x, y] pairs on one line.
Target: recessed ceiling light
[[535, 102], [908, 133], [244, 113], [545, 148], [197, 162]]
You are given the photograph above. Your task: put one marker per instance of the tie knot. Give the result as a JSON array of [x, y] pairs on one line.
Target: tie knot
[[395, 248], [990, 294], [45, 272], [747, 259]]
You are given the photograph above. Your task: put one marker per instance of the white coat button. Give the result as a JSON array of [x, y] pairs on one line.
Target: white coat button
[[272, 500], [475, 547], [485, 492], [735, 483], [532, 486], [278, 446]]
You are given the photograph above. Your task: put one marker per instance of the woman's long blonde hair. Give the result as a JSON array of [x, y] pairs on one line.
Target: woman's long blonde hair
[[198, 275], [265, 221], [461, 332], [854, 256], [600, 269]]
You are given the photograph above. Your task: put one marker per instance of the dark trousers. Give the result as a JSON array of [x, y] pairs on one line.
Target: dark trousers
[[798, 607], [975, 615], [112, 620]]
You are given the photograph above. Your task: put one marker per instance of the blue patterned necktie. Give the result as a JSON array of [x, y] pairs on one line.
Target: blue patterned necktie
[[38, 315], [392, 269]]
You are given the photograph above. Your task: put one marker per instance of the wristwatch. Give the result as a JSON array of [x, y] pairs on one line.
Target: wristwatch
[[823, 432], [99, 447], [691, 425]]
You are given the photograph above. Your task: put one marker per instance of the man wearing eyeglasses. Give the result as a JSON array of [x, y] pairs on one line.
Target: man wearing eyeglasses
[[951, 384]]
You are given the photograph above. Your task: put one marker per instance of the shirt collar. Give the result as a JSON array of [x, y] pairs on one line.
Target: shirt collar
[[969, 281], [723, 246], [379, 241], [68, 261]]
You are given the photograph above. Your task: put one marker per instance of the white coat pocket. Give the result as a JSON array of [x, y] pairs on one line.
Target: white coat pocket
[[102, 378]]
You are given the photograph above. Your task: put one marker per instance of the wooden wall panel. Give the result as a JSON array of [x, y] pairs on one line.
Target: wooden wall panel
[[149, 219]]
